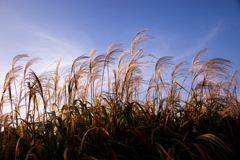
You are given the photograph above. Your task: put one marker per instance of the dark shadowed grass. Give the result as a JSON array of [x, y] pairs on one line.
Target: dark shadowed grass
[[72, 115]]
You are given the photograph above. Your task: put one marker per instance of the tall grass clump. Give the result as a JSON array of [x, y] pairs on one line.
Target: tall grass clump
[[91, 112]]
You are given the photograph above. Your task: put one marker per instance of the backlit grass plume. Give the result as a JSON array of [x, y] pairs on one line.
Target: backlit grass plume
[[94, 110]]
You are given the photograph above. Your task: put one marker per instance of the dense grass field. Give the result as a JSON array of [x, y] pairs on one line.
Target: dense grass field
[[93, 112]]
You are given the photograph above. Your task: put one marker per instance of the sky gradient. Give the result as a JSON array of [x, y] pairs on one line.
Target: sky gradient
[[51, 29]]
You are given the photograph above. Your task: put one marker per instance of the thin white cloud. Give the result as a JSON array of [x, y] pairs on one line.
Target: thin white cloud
[[48, 46], [20, 36], [209, 36], [201, 42]]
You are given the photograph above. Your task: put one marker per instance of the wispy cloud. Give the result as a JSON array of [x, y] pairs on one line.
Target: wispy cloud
[[50, 48], [201, 42], [212, 34], [30, 39]]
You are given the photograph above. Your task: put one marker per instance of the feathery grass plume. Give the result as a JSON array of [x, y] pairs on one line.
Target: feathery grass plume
[[57, 78], [49, 93], [133, 69], [76, 120], [27, 65], [231, 94], [157, 84], [89, 78], [80, 77], [150, 91], [128, 72], [79, 67], [138, 39], [233, 82], [210, 70], [77, 62], [196, 63], [122, 64], [64, 91], [177, 72], [109, 59], [213, 70], [96, 71], [14, 61], [38, 84], [115, 85], [9, 78]]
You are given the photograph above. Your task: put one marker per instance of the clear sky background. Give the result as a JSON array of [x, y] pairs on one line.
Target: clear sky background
[[180, 28]]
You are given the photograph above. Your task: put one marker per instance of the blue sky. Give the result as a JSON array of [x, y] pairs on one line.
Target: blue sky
[[54, 28]]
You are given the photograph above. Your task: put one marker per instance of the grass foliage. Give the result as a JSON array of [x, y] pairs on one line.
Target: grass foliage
[[90, 112]]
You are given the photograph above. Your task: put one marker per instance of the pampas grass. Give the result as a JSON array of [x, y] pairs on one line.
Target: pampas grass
[[84, 113]]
